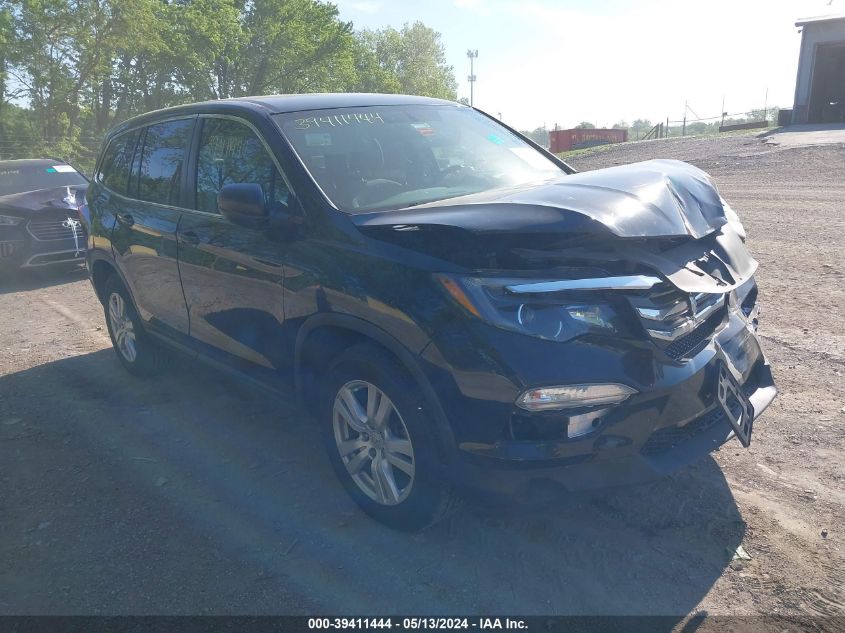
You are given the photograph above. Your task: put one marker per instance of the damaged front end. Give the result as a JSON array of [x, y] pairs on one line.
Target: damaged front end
[[634, 293], [42, 228], [656, 233]]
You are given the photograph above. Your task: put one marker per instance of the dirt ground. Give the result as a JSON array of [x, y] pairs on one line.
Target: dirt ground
[[191, 493]]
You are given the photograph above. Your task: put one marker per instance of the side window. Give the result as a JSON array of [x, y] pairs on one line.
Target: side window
[[160, 161], [114, 166], [230, 152], [134, 161]]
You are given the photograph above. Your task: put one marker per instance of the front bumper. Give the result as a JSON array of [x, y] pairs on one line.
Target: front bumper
[[631, 461], [673, 421], [41, 241]]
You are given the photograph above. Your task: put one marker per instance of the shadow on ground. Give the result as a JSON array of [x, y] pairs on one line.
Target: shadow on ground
[[34, 278], [191, 493]]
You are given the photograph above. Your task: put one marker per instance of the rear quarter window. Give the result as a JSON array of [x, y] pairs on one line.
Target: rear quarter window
[[161, 160], [114, 166]]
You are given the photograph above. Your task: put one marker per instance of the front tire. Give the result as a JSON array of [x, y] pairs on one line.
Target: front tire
[[380, 441], [135, 349]]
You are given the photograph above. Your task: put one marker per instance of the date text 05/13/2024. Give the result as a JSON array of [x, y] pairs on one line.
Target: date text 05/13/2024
[[412, 624]]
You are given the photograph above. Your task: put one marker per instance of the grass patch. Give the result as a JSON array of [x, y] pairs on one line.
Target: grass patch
[[595, 149]]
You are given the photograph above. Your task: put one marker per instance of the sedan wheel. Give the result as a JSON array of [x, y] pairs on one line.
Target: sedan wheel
[[373, 442]]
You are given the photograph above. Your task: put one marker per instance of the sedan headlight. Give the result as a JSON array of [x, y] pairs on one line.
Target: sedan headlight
[[9, 220], [546, 317]]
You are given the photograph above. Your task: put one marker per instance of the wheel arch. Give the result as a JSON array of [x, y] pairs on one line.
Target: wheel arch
[[101, 270], [324, 336]]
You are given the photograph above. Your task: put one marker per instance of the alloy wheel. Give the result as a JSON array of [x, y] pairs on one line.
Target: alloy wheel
[[373, 442], [122, 328]]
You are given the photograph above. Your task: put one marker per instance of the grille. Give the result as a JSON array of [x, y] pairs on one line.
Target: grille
[[693, 342], [678, 322], [53, 229]]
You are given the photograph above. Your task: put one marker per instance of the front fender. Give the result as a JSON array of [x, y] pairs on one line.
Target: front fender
[[409, 360]]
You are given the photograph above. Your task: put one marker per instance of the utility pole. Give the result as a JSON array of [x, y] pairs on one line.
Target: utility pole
[[684, 127], [766, 106], [473, 55]]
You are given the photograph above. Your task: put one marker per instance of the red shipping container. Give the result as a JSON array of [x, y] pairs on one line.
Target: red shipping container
[[565, 140]]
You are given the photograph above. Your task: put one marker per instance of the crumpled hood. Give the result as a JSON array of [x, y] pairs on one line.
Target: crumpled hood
[[53, 198], [663, 215], [656, 198]]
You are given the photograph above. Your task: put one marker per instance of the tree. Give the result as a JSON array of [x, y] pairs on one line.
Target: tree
[[769, 114], [640, 126], [232, 48], [80, 66], [585, 125], [700, 127], [620, 125], [415, 57], [539, 135], [7, 37], [373, 73]]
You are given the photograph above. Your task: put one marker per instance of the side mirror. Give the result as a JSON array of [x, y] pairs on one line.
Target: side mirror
[[242, 203]]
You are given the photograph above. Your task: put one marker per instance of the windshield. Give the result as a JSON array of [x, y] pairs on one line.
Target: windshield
[[373, 158], [23, 178]]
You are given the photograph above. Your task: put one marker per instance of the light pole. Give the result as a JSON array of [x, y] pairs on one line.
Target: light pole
[[472, 54]]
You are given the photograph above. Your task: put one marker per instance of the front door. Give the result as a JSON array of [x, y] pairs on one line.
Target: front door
[[232, 275], [144, 238]]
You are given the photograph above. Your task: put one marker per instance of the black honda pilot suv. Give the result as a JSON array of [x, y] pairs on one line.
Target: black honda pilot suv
[[456, 306]]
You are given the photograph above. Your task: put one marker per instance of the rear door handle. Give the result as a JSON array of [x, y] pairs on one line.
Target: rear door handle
[[190, 238], [125, 218]]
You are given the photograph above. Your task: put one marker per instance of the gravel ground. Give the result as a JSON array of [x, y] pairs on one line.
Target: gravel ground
[[192, 493]]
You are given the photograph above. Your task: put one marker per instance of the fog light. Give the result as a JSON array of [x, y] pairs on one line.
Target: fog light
[[568, 396], [585, 423]]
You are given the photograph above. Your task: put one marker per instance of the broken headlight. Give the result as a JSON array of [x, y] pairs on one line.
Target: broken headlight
[[545, 317]]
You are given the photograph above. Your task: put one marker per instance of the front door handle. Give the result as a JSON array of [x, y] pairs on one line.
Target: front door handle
[[189, 237], [125, 218]]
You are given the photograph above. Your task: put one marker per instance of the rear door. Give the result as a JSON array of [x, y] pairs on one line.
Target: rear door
[[232, 275], [144, 238]]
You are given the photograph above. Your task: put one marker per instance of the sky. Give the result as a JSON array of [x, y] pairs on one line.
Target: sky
[[548, 62]]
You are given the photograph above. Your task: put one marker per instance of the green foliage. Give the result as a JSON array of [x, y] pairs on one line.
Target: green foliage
[[639, 128], [539, 135], [768, 114], [412, 61], [228, 48], [585, 125], [71, 69]]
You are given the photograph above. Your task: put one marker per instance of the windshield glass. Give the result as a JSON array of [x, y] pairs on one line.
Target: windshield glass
[[384, 157], [21, 178]]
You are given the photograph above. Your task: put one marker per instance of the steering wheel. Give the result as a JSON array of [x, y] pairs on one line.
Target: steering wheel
[[452, 169], [456, 174], [376, 190]]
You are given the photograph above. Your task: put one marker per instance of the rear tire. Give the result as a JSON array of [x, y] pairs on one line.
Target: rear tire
[[136, 350], [389, 464]]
